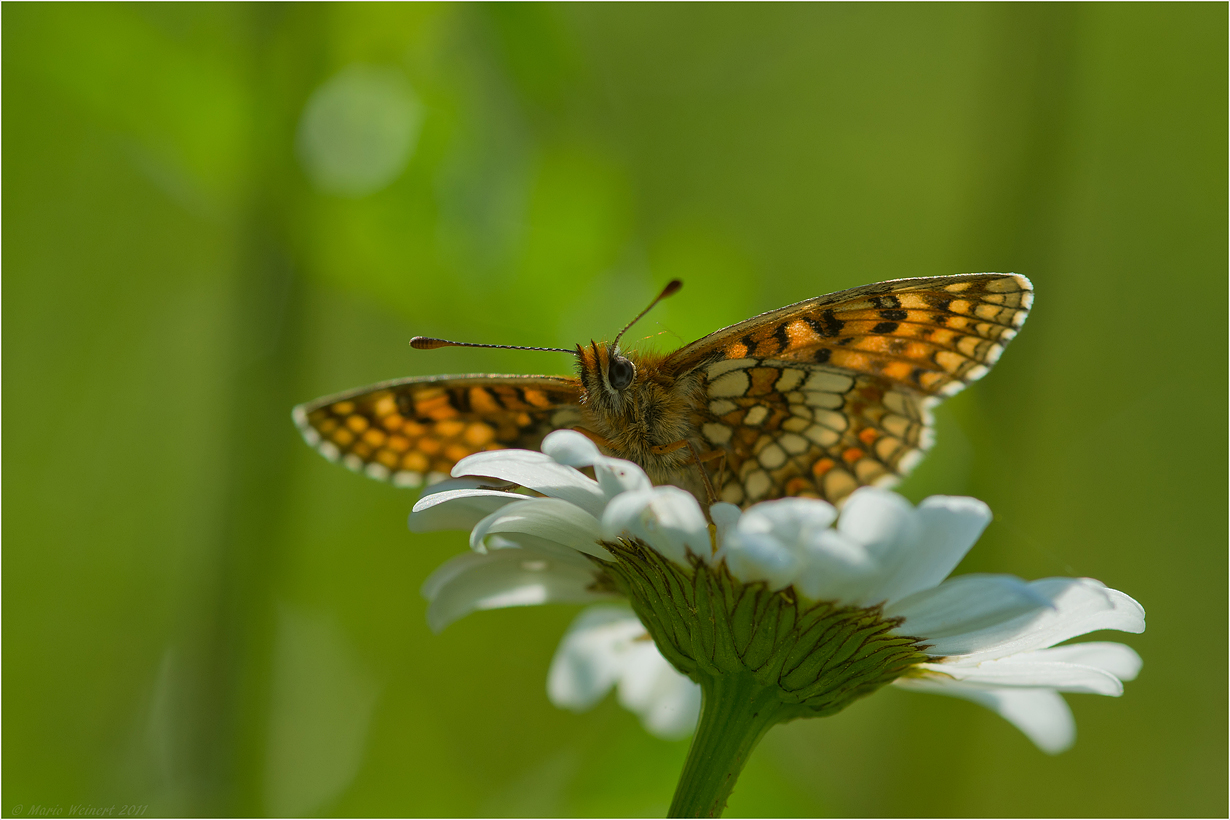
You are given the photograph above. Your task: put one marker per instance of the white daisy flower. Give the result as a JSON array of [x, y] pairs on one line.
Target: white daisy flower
[[788, 606], [987, 638]]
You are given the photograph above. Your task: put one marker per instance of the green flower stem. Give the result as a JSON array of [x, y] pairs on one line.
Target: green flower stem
[[735, 714]]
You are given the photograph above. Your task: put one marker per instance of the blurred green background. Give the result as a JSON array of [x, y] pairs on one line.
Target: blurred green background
[[212, 213]]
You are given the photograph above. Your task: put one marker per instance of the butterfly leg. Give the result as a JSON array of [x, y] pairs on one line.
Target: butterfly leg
[[700, 460], [697, 459], [720, 457], [595, 438]]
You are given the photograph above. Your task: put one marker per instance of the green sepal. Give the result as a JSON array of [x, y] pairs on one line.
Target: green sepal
[[818, 657]]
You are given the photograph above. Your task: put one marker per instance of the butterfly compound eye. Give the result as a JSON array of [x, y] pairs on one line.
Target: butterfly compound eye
[[620, 372]]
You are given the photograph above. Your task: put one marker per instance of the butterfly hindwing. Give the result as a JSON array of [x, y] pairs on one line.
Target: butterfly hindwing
[[824, 396], [412, 431], [810, 430]]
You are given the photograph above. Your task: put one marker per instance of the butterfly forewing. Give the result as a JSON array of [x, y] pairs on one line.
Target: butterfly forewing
[[412, 431], [824, 396]]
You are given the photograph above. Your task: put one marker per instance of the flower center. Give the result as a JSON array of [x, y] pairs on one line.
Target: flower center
[[819, 657]]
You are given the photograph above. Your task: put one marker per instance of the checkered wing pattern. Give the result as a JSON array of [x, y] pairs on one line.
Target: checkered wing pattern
[[412, 431], [821, 397]]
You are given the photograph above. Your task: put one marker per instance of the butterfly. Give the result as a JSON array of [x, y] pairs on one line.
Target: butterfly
[[814, 399]]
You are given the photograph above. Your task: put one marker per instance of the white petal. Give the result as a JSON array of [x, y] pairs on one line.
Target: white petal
[[834, 568], [615, 475], [551, 549], [1079, 605], [1042, 714], [790, 520], [667, 702], [761, 557], [725, 518], [1115, 658], [886, 525], [538, 472], [506, 577], [967, 603], [590, 658], [448, 485], [949, 526], [769, 541], [547, 518], [666, 518], [607, 645], [458, 509], [1025, 672], [571, 448], [878, 519]]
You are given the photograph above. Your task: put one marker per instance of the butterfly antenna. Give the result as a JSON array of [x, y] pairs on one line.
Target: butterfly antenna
[[671, 289], [428, 343]]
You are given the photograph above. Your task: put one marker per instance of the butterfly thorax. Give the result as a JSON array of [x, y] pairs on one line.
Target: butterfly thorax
[[641, 412]]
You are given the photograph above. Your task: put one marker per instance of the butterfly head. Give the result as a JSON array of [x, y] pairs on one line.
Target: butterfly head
[[606, 374]]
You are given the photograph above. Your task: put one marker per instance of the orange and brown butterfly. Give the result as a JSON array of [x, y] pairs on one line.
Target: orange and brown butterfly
[[814, 399]]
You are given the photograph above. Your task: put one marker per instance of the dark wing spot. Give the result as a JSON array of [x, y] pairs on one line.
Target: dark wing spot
[[916, 375], [822, 355], [830, 325], [405, 404], [884, 327], [894, 315], [748, 342], [782, 338], [459, 400], [887, 301]]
